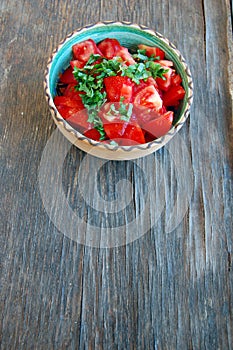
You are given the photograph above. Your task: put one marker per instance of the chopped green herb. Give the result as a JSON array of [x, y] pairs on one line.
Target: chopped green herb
[[142, 71], [125, 110], [156, 69], [142, 56], [100, 128]]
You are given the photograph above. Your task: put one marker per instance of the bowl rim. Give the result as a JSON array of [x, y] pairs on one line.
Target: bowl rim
[[159, 142]]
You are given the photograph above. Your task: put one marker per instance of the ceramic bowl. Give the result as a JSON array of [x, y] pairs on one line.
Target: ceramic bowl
[[129, 35]]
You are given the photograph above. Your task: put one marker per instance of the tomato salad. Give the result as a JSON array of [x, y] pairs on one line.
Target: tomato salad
[[111, 95]]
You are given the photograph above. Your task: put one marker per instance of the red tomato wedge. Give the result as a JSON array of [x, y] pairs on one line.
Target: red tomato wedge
[[160, 126], [157, 52], [165, 63], [134, 133], [72, 111], [67, 77], [68, 102], [124, 133], [92, 134], [126, 57], [71, 92], [109, 47], [149, 98], [165, 84], [117, 87], [76, 118], [173, 96], [115, 130], [77, 64], [176, 79], [82, 51], [143, 84]]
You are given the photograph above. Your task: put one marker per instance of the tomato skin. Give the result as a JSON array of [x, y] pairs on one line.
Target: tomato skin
[[126, 92], [156, 51], [109, 47], [117, 87], [67, 76], [76, 118], [92, 134], [82, 51], [134, 133], [160, 126], [77, 63], [176, 79], [68, 102], [173, 96], [164, 85], [73, 111], [124, 133], [115, 130], [71, 92]]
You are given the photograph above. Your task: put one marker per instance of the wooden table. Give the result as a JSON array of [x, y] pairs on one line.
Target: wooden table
[[167, 283]]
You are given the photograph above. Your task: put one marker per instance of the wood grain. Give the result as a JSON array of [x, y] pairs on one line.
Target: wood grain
[[165, 290]]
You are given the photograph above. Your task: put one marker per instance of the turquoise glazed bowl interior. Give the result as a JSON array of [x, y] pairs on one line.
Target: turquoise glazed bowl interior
[[129, 35]]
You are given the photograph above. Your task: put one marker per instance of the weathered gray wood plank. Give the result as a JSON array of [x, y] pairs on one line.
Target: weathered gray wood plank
[[165, 290]]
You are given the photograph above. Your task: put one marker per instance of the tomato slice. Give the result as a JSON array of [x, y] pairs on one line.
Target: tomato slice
[[124, 133], [148, 97], [176, 79], [109, 47], [134, 133], [73, 111], [67, 77], [69, 102], [82, 51], [71, 92], [165, 63], [165, 84], [93, 134], [115, 130], [76, 118], [124, 54], [173, 96], [118, 87], [156, 51], [77, 63], [159, 126]]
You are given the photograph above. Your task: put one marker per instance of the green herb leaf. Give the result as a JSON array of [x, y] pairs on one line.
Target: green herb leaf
[[141, 56], [100, 128], [124, 112], [136, 72], [156, 69]]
